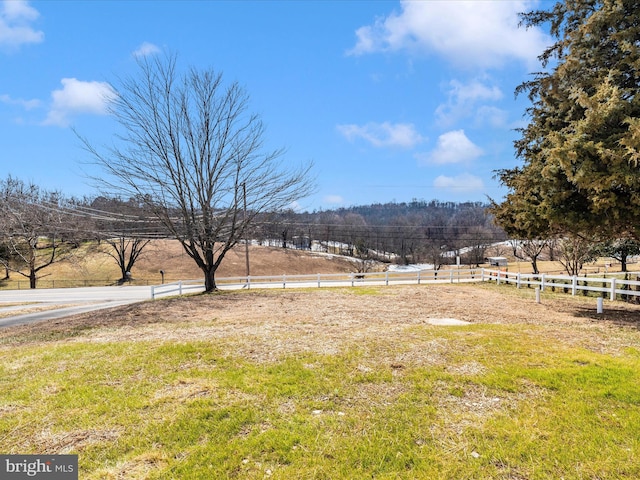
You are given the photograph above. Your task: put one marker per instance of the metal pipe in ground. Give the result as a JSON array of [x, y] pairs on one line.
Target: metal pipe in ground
[[599, 306]]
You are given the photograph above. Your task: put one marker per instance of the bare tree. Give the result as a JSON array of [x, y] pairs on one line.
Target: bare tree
[[434, 251], [477, 240], [364, 255], [190, 149], [575, 250], [126, 251], [532, 249], [34, 227], [126, 228]]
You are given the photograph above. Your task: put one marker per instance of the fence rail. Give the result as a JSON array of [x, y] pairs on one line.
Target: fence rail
[[324, 280], [180, 287], [70, 283], [612, 287]]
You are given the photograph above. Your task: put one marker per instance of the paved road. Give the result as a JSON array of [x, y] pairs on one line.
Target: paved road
[[62, 302]]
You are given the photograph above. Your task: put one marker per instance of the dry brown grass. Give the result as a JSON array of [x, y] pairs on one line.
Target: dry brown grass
[[91, 262], [267, 325], [23, 310]]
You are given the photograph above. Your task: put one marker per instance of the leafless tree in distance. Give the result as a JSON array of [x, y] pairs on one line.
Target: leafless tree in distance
[[126, 228], [192, 150], [34, 229]]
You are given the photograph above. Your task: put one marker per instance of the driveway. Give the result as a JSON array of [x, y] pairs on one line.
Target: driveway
[[62, 302]]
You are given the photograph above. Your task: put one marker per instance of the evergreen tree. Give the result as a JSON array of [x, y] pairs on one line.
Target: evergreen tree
[[580, 150]]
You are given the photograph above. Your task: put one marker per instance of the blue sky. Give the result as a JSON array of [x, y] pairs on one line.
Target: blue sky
[[391, 100]]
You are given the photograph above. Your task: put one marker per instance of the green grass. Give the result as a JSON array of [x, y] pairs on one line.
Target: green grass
[[499, 402]]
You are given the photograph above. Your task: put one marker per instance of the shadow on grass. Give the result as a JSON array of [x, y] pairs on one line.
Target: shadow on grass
[[619, 314]]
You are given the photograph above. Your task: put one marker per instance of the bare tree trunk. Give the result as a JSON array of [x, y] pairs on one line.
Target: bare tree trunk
[[209, 280], [534, 264]]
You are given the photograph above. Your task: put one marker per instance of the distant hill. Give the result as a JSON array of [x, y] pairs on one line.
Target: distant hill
[[93, 264]]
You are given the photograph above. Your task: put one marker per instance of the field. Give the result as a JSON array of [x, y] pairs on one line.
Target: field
[[91, 266], [332, 384]]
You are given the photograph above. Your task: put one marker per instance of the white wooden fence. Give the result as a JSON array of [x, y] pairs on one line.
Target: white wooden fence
[[324, 280], [611, 286]]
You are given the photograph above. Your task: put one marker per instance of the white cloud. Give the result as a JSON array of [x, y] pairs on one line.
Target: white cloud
[[16, 17], [493, 116], [296, 206], [383, 134], [462, 99], [473, 91], [334, 199], [461, 183], [77, 97], [26, 104], [146, 49], [452, 147], [471, 33]]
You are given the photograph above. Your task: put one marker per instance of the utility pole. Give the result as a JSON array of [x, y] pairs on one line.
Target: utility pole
[[246, 240]]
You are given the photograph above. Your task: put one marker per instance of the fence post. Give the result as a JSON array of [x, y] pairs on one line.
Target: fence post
[[386, 278], [542, 282], [574, 285], [418, 277], [180, 287], [352, 278], [498, 277], [318, 280], [284, 281], [248, 282], [613, 289], [482, 275], [518, 280], [451, 276], [153, 292]]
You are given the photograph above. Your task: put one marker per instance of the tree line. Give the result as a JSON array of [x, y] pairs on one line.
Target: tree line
[[39, 228], [432, 232]]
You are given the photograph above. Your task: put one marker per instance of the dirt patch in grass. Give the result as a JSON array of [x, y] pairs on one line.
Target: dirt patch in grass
[[67, 442]]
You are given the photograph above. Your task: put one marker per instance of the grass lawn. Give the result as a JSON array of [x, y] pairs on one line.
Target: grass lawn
[[331, 384]]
